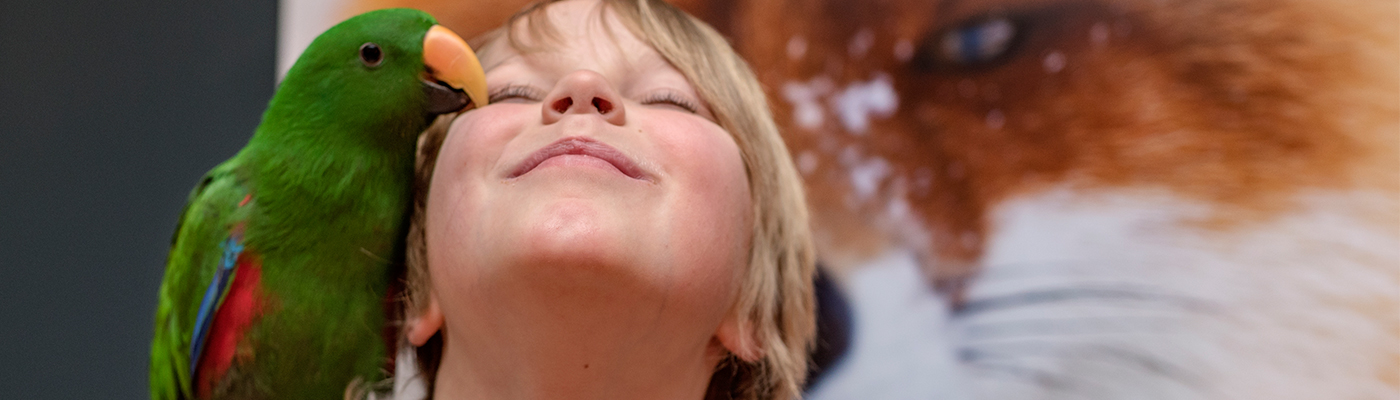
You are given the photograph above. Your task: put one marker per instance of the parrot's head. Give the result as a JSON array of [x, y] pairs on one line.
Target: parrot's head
[[387, 73]]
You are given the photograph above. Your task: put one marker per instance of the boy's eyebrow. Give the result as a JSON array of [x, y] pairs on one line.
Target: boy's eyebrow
[[502, 60], [504, 53]]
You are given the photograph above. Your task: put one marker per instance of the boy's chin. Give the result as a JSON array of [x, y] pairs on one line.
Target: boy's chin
[[580, 231]]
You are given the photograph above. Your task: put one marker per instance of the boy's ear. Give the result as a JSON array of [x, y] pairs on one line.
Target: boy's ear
[[423, 326], [740, 339]]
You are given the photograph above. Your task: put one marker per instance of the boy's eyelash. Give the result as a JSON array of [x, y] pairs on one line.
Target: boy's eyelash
[[529, 93], [672, 98], [514, 91]]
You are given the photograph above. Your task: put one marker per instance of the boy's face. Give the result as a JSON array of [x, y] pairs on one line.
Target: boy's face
[[596, 174]]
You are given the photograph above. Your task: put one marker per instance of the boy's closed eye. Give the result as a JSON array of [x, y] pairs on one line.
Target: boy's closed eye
[[516, 93], [669, 98]]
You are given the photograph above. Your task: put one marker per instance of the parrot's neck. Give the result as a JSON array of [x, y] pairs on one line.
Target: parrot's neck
[[335, 181]]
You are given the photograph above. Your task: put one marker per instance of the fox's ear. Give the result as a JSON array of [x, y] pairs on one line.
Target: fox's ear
[[740, 339], [423, 326]]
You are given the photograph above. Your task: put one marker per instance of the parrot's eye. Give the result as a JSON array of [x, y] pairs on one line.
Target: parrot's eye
[[371, 55]]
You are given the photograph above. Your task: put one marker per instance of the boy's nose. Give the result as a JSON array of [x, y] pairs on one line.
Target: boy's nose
[[584, 92]]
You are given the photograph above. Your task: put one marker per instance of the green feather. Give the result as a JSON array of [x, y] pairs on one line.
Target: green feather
[[329, 170]]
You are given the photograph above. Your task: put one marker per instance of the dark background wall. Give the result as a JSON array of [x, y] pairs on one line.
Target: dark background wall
[[109, 113]]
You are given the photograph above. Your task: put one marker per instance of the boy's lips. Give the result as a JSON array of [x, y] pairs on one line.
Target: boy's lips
[[580, 146]]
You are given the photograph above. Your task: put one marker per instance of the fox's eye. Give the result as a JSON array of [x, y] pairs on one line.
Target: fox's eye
[[974, 43], [515, 93]]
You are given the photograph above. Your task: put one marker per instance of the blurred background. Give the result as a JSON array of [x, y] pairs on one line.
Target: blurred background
[[110, 112]]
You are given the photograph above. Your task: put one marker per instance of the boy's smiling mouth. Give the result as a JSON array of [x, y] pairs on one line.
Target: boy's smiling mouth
[[575, 147]]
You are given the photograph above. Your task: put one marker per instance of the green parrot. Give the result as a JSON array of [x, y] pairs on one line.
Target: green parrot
[[280, 267]]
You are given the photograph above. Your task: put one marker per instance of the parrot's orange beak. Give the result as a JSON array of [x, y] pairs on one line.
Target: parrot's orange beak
[[451, 61]]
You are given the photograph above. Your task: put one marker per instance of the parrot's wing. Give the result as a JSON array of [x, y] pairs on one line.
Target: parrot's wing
[[194, 266]]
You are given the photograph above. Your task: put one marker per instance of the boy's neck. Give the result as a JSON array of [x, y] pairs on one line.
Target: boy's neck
[[564, 344]]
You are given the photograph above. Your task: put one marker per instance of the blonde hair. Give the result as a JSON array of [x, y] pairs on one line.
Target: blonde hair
[[775, 300]]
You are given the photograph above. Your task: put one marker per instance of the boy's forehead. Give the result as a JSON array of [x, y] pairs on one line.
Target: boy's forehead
[[581, 38]]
